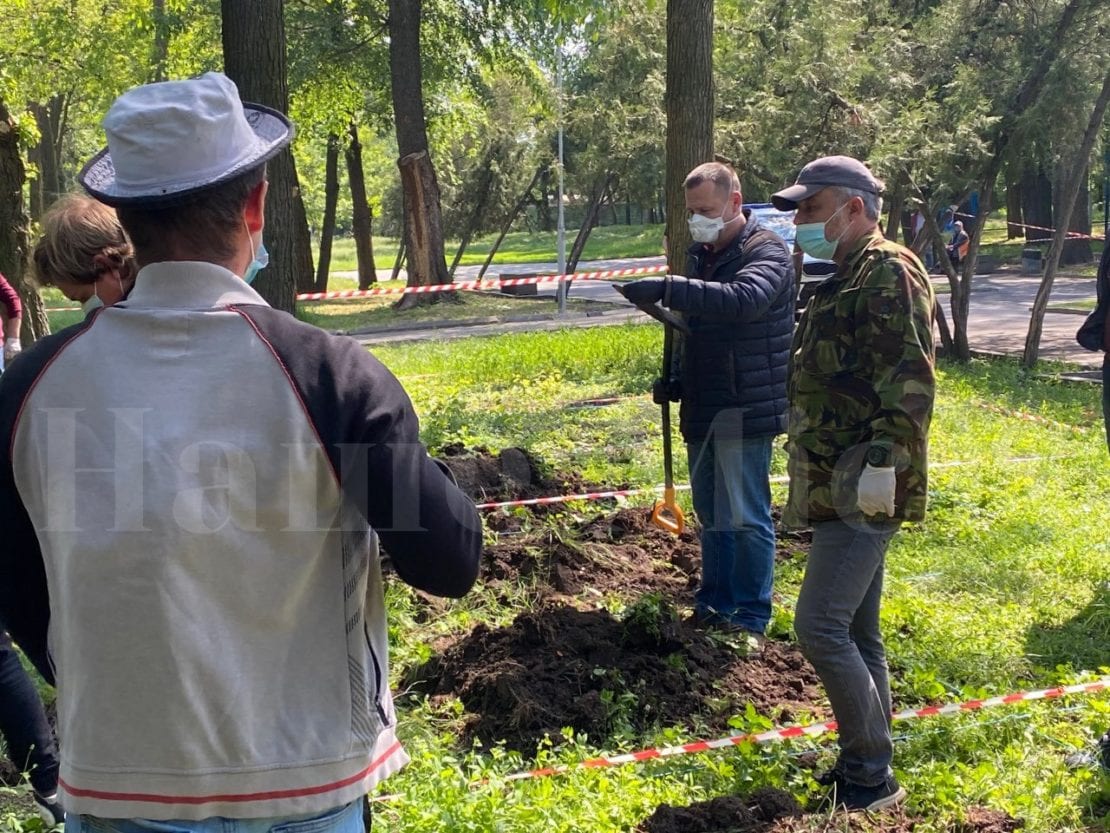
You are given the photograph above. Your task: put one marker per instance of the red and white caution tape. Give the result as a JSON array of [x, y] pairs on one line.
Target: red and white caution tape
[[683, 487], [475, 286], [1073, 235], [809, 730]]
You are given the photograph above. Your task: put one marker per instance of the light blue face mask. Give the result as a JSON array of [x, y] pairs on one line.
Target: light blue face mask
[[811, 239], [260, 262]]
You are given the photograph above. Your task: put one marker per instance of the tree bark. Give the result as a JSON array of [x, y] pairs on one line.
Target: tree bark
[[593, 208], [399, 261], [894, 211], [160, 49], [47, 154], [1076, 249], [510, 218], [1069, 192], [327, 225], [362, 224], [254, 58], [14, 242], [423, 216], [689, 101], [1036, 203]]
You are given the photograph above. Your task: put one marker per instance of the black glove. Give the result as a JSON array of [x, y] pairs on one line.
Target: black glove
[[645, 290], [666, 390]]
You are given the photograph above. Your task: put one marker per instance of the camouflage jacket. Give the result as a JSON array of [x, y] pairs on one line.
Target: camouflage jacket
[[861, 377]]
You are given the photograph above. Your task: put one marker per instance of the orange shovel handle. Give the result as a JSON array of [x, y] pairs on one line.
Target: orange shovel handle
[[665, 514]]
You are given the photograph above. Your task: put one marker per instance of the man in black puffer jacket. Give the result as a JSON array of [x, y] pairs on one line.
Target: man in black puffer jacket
[[738, 302]]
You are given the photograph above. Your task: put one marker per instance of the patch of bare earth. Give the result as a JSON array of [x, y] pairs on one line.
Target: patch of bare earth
[[770, 810]]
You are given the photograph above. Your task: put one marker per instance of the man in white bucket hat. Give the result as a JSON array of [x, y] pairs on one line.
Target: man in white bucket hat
[[192, 485]]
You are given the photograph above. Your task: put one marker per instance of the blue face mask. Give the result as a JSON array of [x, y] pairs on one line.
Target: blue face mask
[[260, 262], [811, 239]]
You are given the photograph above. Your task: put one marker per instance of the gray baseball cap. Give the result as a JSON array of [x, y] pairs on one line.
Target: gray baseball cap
[[843, 171]]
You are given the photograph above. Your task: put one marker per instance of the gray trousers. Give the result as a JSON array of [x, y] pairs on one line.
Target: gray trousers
[[837, 623]]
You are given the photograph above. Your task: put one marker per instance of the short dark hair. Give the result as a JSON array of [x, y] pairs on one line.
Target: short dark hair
[[206, 221], [721, 175]]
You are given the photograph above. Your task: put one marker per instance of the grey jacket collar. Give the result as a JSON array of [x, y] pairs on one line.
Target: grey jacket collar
[[189, 285]]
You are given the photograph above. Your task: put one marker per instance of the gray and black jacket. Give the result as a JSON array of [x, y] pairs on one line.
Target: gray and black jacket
[[192, 488]]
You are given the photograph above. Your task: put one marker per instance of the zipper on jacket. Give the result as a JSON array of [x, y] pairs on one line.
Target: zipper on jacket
[[377, 682]]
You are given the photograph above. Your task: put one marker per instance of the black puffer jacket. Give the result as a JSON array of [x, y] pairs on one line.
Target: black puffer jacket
[[739, 307]]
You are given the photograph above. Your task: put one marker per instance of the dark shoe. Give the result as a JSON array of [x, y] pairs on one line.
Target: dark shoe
[[828, 778], [884, 796], [1104, 751], [50, 811]]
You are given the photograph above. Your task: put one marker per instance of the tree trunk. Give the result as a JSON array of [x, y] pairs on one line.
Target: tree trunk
[[894, 211], [510, 218], [47, 154], [362, 225], [478, 197], [611, 201], [1014, 217], [399, 261], [160, 50], [1036, 203], [942, 327], [14, 243], [1078, 249], [254, 58], [543, 205], [423, 218], [689, 101], [1068, 196], [327, 225], [593, 208]]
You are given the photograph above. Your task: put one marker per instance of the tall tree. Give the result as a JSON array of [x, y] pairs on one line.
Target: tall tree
[[327, 226], [254, 58], [361, 219], [13, 228], [423, 217], [689, 103], [1071, 188]]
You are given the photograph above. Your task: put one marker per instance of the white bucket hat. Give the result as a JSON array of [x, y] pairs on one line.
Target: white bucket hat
[[171, 139]]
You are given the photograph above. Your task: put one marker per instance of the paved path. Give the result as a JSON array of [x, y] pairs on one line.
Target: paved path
[[998, 320]]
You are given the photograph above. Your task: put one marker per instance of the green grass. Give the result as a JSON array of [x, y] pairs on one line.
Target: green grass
[[1002, 588], [348, 314], [605, 242]]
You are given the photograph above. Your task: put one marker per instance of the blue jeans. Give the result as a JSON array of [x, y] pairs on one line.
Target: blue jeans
[[347, 819], [837, 622], [730, 481]]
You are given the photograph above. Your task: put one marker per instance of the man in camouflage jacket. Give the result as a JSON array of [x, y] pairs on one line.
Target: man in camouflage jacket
[[860, 388]]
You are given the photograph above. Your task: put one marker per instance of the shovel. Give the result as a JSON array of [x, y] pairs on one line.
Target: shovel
[[666, 513]]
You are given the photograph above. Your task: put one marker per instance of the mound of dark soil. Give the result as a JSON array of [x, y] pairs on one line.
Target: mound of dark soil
[[769, 810], [511, 474], [621, 553], [730, 814], [559, 666]]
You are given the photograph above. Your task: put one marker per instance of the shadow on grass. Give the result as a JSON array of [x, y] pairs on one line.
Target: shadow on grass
[[1082, 643]]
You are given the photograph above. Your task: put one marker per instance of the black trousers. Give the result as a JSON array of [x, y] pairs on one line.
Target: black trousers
[[27, 733]]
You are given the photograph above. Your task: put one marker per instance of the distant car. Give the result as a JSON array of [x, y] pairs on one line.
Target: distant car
[[782, 224], [813, 270]]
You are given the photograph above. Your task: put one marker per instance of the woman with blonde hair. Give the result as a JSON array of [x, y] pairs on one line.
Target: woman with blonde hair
[[85, 253]]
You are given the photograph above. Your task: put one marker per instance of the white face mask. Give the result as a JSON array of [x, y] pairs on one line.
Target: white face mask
[[705, 229]]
